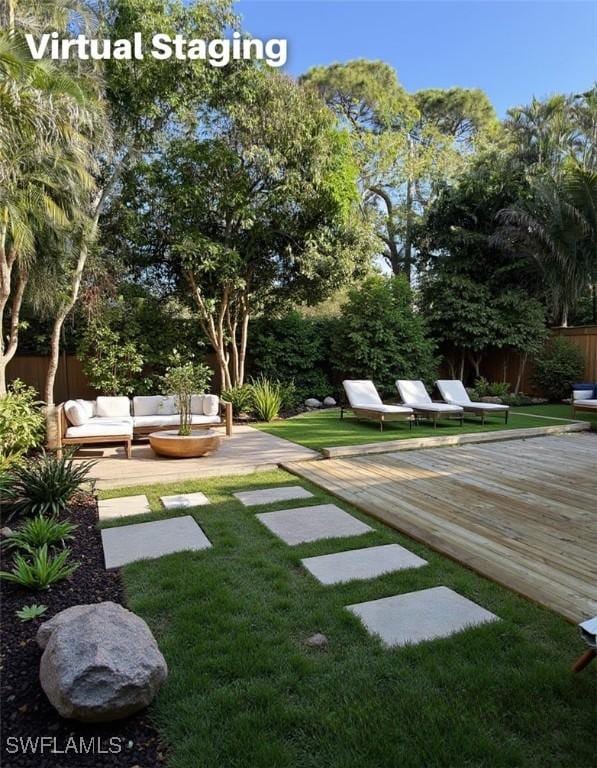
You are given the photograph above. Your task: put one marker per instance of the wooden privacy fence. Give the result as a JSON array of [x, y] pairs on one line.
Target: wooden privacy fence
[[71, 381]]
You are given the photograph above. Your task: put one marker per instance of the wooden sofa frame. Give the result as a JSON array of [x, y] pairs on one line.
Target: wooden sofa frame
[[225, 409], [578, 406]]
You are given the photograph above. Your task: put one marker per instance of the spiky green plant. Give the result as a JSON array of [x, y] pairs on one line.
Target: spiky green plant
[[39, 531], [38, 569], [29, 612], [46, 484], [267, 398]]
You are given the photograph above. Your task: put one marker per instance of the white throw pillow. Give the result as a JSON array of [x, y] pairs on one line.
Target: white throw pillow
[[75, 413], [88, 406], [211, 404], [113, 407], [197, 405]]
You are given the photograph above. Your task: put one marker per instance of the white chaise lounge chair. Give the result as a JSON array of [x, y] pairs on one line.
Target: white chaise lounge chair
[[414, 394], [583, 401], [366, 403], [454, 393]]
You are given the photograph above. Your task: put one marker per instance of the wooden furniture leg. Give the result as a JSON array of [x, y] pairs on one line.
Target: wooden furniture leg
[[584, 660]]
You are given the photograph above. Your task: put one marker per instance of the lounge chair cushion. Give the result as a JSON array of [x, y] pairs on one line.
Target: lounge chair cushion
[[385, 408], [454, 392], [76, 413], [413, 392], [437, 407], [361, 393], [113, 407], [105, 428], [588, 403]]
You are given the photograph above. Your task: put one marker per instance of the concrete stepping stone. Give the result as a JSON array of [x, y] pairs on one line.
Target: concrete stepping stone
[[361, 563], [184, 500], [124, 506], [322, 521], [271, 495], [417, 616], [127, 543]]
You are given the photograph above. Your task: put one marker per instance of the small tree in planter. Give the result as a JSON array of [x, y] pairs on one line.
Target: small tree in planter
[[183, 382]]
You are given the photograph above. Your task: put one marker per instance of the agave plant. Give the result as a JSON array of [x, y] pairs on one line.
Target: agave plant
[[33, 611], [46, 484]]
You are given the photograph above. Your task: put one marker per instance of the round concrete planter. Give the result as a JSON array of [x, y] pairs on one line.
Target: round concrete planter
[[170, 443]]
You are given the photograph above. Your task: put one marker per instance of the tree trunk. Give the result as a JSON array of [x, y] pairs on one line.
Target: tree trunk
[[65, 310], [408, 233], [521, 368], [462, 366], [8, 351]]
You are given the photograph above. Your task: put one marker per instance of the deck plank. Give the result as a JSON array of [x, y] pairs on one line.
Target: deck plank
[[522, 513]]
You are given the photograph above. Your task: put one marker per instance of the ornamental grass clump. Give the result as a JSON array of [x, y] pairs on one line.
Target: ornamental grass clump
[[38, 569], [45, 485], [183, 382], [267, 398]]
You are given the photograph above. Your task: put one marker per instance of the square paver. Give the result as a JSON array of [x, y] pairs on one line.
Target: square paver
[[185, 500], [417, 616], [124, 506], [271, 495], [361, 563], [127, 543], [322, 521]]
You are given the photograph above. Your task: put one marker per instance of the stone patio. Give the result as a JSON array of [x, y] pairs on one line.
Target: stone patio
[[272, 495], [365, 563], [247, 450], [124, 506], [417, 616], [184, 500], [128, 543], [302, 524]]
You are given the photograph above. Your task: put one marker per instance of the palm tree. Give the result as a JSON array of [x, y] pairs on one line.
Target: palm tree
[[557, 227], [45, 164]]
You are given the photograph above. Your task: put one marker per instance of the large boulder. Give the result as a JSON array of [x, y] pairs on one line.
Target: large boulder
[[100, 662], [329, 401]]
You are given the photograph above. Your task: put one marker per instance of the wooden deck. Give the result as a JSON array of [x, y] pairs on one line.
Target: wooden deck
[[523, 513]]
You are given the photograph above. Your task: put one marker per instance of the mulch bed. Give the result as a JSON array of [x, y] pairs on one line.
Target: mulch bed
[[26, 712]]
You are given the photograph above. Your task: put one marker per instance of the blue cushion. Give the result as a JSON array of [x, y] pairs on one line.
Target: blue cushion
[[584, 386]]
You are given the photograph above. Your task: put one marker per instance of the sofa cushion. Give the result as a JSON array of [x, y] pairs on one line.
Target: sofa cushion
[[76, 413], [106, 428], [142, 422], [88, 406], [154, 420], [582, 394], [113, 406], [197, 405], [155, 405], [127, 420], [211, 404]]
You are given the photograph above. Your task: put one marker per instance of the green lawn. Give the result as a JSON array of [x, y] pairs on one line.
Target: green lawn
[[324, 429], [244, 692]]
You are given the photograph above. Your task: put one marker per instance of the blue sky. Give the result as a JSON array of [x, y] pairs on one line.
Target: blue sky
[[512, 50]]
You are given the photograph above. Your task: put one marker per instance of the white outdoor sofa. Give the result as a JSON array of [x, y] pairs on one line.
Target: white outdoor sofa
[[454, 393], [414, 395], [366, 403], [119, 419]]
